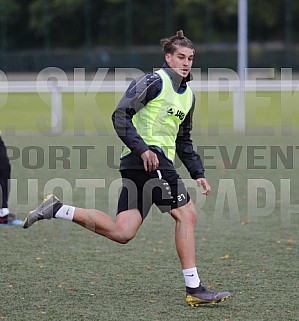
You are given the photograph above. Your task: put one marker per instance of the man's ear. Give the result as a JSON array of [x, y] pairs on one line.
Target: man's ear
[[167, 57]]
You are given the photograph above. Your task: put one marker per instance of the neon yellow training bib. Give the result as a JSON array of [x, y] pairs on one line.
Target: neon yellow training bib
[[159, 120]]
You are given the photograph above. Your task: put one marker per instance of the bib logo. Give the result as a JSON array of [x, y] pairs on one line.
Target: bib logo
[[170, 111], [179, 114]]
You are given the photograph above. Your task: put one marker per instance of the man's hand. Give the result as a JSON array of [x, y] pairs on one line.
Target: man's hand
[[205, 185], [150, 161]]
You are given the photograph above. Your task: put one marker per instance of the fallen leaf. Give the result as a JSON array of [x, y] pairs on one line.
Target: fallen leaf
[[245, 222]]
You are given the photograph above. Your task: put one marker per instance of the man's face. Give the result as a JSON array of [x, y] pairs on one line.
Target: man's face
[[181, 60]]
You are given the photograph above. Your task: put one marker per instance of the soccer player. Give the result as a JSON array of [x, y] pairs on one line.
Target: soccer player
[[154, 120], [5, 169]]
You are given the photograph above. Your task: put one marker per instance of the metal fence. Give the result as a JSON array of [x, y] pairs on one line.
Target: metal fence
[[148, 57], [57, 88]]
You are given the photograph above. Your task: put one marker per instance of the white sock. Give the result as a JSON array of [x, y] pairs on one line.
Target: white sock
[[66, 212], [191, 277], [4, 211]]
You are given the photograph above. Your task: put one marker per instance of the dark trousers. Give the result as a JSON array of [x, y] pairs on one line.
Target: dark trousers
[[5, 169]]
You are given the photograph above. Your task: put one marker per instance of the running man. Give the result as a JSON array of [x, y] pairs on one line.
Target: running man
[[154, 120]]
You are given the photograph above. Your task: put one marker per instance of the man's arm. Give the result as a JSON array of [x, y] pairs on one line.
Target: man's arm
[[138, 94], [190, 158]]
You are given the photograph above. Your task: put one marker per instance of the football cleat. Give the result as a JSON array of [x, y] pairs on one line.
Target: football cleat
[[202, 295], [46, 210]]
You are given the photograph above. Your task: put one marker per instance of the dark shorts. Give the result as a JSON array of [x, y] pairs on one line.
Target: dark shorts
[[141, 189]]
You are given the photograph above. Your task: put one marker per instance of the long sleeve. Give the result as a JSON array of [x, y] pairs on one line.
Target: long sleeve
[[138, 94], [184, 147]]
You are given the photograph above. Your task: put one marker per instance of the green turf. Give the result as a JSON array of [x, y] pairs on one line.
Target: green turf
[[29, 111], [56, 270], [59, 271], [91, 111]]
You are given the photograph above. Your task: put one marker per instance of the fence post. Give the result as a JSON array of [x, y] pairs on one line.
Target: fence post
[[239, 97], [56, 109], [239, 108]]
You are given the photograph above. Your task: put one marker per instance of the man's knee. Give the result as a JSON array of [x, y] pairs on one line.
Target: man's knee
[[124, 236], [128, 223], [190, 216], [186, 213]]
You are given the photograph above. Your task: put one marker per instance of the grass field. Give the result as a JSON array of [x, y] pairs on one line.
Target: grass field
[[92, 111], [247, 243]]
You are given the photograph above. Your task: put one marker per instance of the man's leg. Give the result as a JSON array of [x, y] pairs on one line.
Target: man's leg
[[5, 169], [185, 218], [196, 293], [121, 230]]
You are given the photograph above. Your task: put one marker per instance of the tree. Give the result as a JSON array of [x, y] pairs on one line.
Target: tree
[[119, 23]]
